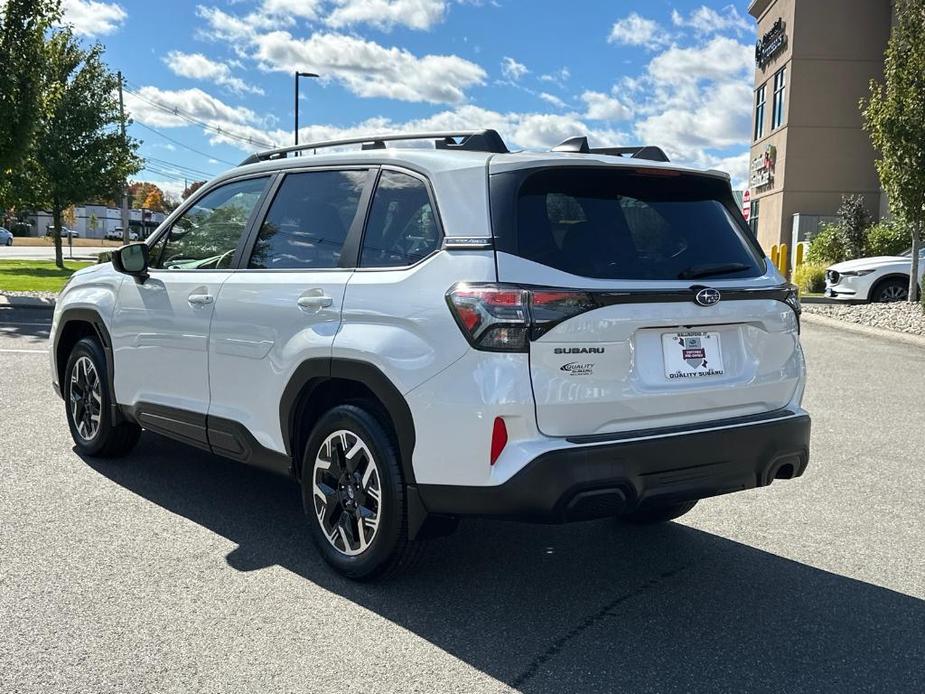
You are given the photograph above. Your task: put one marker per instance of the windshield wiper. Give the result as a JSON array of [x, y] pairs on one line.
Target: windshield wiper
[[697, 271]]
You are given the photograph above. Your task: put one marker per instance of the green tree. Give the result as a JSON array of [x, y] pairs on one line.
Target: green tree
[[191, 188], [78, 151], [23, 26], [894, 115]]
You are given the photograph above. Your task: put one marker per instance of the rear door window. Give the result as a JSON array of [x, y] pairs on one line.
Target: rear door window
[[402, 228], [615, 224]]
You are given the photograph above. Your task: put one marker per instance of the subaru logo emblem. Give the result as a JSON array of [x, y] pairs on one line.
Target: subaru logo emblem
[[708, 296]]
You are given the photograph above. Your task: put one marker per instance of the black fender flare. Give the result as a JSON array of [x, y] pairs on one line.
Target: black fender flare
[[93, 318], [364, 373]]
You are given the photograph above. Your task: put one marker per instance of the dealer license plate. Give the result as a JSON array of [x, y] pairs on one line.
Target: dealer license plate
[[692, 355]]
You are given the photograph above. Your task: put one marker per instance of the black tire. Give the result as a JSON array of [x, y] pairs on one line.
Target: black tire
[[889, 291], [109, 440], [9, 242], [658, 513], [388, 550]]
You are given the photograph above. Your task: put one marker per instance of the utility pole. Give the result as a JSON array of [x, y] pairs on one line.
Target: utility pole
[[125, 234], [297, 76]]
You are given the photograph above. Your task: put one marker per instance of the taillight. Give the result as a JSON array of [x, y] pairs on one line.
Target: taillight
[[498, 438], [504, 318]]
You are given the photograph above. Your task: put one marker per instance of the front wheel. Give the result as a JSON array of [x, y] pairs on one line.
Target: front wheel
[[889, 291], [354, 495], [658, 513], [86, 397]]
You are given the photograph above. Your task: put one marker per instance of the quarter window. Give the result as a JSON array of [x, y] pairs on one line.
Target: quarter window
[[759, 112], [308, 221], [206, 235], [780, 84], [401, 229]]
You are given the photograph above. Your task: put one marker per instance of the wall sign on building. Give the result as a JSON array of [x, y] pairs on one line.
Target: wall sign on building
[[770, 44], [762, 173]]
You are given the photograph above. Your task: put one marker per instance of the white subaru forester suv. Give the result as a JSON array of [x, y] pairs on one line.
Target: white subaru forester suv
[[422, 334]]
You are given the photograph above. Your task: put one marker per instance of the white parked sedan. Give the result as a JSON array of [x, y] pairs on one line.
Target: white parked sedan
[[880, 279], [6, 237]]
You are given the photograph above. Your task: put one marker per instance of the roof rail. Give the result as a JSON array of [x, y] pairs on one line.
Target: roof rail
[[579, 145], [463, 140]]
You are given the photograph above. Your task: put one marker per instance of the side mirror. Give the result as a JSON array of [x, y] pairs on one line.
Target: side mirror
[[132, 260]]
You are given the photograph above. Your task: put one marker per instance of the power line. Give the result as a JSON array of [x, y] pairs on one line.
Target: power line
[[180, 168], [184, 146], [174, 111]]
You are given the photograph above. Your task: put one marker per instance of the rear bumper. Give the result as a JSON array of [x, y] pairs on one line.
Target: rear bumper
[[607, 479]]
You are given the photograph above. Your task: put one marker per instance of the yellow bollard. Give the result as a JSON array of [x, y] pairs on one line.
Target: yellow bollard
[[774, 255], [798, 256], [784, 259]]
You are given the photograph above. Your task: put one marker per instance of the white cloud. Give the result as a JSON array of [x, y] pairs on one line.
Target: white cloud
[[92, 18], [721, 58], [706, 20], [513, 70], [369, 69], [197, 66], [552, 99], [695, 100], [385, 14], [559, 77], [603, 107], [193, 102], [635, 30], [304, 9]]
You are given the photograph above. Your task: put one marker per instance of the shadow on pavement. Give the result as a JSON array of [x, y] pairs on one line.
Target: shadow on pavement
[[590, 606]]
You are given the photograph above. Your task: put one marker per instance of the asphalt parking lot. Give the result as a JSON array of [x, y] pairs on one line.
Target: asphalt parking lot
[[174, 570]]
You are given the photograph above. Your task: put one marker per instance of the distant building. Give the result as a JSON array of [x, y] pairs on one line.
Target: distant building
[[814, 61], [93, 221]]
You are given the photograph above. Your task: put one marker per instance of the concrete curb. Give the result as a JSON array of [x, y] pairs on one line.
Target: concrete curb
[[26, 302], [857, 328]]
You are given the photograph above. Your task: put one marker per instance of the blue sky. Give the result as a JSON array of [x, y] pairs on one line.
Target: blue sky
[[216, 77]]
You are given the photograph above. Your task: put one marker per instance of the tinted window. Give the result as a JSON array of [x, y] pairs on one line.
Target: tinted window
[[308, 220], [401, 229], [207, 234], [621, 225]]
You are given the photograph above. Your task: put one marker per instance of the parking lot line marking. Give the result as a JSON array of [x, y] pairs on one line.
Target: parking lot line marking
[[24, 351]]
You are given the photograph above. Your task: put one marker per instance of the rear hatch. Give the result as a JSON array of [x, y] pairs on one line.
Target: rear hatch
[[652, 305]]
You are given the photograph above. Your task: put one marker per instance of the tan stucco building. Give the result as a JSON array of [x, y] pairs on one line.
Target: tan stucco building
[[814, 60]]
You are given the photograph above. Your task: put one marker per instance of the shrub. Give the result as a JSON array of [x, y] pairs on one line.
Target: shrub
[[853, 222], [887, 238], [810, 278], [827, 246]]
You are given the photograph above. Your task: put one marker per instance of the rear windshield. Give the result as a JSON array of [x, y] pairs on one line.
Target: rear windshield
[[618, 224]]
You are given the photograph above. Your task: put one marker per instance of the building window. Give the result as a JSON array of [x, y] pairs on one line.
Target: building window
[[753, 217], [780, 82], [759, 112]]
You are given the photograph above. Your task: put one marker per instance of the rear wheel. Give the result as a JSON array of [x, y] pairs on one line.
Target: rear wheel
[[86, 398], [658, 513], [354, 495], [890, 290]]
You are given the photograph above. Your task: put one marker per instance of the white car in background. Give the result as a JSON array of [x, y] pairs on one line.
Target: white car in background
[[881, 279], [6, 237]]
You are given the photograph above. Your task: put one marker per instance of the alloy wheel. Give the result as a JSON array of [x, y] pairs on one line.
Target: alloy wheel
[[86, 398], [893, 292], [347, 492]]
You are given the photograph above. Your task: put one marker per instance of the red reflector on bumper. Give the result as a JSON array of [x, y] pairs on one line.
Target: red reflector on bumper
[[498, 439]]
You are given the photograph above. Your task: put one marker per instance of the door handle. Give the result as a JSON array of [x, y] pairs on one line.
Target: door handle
[[200, 299], [315, 301]]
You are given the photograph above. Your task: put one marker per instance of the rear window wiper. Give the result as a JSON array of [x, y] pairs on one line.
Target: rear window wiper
[[697, 271]]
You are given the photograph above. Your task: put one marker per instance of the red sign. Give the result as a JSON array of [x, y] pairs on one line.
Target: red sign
[[746, 204]]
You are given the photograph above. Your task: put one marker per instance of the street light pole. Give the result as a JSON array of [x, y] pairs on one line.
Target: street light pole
[[297, 76]]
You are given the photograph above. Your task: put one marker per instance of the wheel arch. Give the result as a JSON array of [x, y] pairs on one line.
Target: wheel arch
[[318, 384], [74, 324]]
